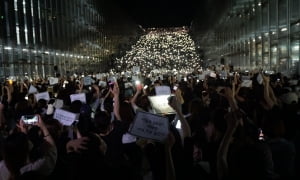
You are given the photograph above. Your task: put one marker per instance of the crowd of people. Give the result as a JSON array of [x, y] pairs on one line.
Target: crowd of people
[[225, 125], [170, 48]]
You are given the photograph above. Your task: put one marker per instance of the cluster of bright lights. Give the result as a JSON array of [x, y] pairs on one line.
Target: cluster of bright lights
[[161, 49]]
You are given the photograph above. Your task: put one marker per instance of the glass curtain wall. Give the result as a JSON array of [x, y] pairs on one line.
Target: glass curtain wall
[[41, 38], [259, 34]]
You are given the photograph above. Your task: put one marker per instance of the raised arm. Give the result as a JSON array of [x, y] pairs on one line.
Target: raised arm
[[134, 98], [170, 169], [233, 120], [116, 93], [186, 130], [266, 83]]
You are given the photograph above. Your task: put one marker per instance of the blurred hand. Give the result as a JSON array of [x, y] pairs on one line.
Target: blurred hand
[[77, 145], [1, 107], [174, 103], [40, 122], [22, 127], [170, 141], [115, 90]]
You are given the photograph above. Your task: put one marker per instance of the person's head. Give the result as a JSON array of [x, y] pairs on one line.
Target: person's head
[[22, 108], [16, 149], [102, 123], [76, 106], [126, 112]]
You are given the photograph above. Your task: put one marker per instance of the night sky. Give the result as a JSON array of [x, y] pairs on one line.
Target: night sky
[[163, 13]]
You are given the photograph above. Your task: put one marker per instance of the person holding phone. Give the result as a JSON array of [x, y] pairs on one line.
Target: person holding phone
[[16, 151]]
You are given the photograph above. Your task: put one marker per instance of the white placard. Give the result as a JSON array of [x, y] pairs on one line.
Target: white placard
[[81, 97], [102, 84], [65, 117], [58, 103], [99, 76], [246, 78], [162, 90], [32, 90], [223, 75], [201, 76], [259, 79], [150, 126], [128, 138], [246, 83], [53, 80], [135, 69], [135, 78], [87, 81], [160, 104], [43, 95]]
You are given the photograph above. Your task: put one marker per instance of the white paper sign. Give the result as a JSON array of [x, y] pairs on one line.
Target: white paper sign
[[32, 90], [150, 126], [246, 83], [53, 80], [58, 103], [81, 97], [259, 79], [135, 69], [65, 117], [201, 76], [43, 95], [87, 81], [128, 138], [102, 84], [162, 90], [246, 78], [99, 76], [160, 104]]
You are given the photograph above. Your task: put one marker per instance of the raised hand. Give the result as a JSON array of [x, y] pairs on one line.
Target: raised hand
[[77, 145]]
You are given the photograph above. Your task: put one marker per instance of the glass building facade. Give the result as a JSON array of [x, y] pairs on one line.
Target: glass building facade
[[40, 38], [256, 34]]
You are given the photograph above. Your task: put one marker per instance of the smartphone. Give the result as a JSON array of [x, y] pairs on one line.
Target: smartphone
[[29, 119], [111, 82], [261, 136], [175, 88]]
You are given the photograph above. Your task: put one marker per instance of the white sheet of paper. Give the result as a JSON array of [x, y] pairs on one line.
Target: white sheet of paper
[[58, 103], [259, 79], [65, 117], [128, 138], [32, 90], [43, 95], [160, 104], [102, 84], [81, 97], [150, 126], [135, 69], [162, 90], [99, 76], [87, 81], [201, 76], [53, 80], [246, 83]]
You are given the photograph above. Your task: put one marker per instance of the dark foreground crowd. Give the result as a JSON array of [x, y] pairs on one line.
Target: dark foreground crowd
[[244, 126]]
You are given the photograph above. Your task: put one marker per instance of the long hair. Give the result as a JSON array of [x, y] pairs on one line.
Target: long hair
[[15, 153]]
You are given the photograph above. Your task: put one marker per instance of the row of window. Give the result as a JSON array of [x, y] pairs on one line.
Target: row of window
[[258, 34], [37, 35]]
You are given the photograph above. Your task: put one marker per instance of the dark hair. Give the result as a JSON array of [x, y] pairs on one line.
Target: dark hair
[[15, 153], [102, 122]]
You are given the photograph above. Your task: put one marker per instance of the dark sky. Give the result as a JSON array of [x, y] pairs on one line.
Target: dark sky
[[163, 13]]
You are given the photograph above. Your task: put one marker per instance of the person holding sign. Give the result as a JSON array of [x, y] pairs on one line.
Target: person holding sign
[[112, 134], [16, 153]]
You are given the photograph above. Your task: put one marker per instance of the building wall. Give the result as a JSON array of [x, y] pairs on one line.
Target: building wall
[[257, 34], [39, 36]]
